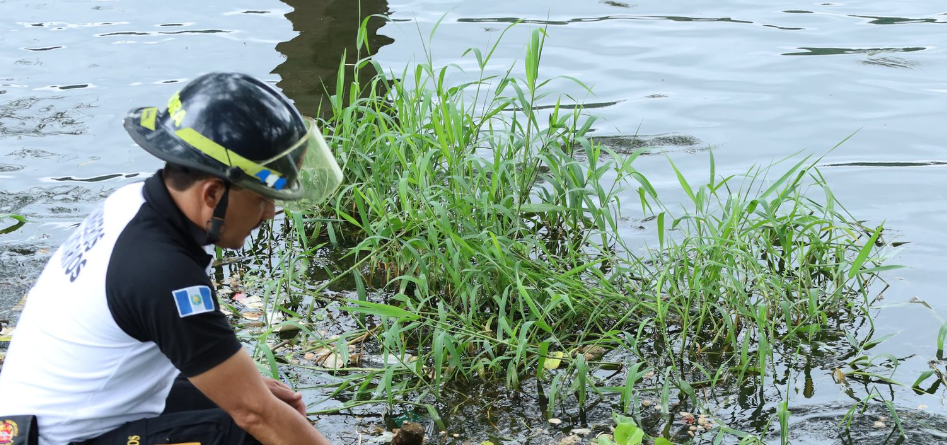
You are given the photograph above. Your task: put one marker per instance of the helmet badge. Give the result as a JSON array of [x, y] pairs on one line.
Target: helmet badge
[[176, 110]]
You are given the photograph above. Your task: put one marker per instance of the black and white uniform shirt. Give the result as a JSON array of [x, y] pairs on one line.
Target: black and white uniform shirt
[[119, 310]]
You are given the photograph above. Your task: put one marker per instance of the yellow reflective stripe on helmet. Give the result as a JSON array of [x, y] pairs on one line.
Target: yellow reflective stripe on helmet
[[221, 154], [148, 116]]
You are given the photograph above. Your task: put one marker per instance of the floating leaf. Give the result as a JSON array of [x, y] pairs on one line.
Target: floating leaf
[[604, 439], [334, 361], [627, 433], [553, 360], [383, 310]]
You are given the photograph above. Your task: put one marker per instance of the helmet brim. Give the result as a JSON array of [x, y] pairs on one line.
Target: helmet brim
[[143, 127]]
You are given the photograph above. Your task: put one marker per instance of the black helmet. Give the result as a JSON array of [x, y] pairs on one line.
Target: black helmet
[[242, 130]]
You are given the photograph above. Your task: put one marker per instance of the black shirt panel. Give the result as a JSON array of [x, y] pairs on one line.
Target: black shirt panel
[[156, 255]]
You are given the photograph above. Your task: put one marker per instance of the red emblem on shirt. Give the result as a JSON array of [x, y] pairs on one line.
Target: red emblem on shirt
[[8, 430]]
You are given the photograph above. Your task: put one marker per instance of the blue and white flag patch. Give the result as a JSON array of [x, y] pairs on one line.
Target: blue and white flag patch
[[193, 300]]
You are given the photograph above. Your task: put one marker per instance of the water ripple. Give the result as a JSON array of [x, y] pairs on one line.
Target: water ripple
[[891, 62], [887, 164], [150, 33], [66, 25], [671, 18]]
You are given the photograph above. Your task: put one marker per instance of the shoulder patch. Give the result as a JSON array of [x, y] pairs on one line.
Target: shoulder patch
[[193, 300]]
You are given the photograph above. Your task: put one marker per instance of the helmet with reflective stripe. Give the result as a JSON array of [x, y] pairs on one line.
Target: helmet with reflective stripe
[[242, 130]]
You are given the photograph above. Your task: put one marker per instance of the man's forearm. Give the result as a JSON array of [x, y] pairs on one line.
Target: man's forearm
[[236, 386], [280, 424]]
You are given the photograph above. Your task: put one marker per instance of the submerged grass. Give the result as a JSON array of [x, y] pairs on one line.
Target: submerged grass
[[483, 238], [19, 222]]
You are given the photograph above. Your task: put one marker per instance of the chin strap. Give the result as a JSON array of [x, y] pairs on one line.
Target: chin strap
[[217, 221]]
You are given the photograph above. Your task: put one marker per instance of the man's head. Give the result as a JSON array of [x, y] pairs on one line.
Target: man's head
[[249, 143], [198, 194]]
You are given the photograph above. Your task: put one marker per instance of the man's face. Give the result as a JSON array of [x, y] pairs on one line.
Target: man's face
[[245, 211]]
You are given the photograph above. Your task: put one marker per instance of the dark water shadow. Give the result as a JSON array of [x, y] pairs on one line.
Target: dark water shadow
[[895, 20], [96, 178], [327, 31], [812, 51], [616, 4]]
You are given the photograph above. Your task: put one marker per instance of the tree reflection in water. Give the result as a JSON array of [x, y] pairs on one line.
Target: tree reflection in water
[[327, 29]]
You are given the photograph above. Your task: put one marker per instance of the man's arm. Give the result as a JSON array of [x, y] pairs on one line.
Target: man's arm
[[237, 387], [283, 392]]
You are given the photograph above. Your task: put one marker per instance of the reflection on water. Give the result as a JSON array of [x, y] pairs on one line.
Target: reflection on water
[[327, 31], [660, 143], [41, 116]]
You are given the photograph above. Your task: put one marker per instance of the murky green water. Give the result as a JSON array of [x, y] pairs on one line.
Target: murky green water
[[755, 81]]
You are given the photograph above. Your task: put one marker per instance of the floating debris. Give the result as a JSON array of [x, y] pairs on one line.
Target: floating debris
[[590, 352], [410, 433], [252, 315]]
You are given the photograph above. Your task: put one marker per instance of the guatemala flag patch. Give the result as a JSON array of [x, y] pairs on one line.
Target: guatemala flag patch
[[193, 300]]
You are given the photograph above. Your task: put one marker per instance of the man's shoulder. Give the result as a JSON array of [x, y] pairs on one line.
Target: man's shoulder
[[147, 262]]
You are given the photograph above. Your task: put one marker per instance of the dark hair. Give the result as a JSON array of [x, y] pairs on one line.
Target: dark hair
[[182, 178]]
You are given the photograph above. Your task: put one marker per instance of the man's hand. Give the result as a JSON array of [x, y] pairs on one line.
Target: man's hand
[[283, 392], [261, 407]]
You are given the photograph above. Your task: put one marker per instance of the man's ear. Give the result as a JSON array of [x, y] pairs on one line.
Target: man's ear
[[211, 190]]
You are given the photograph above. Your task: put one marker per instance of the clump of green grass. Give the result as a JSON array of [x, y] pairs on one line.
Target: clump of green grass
[[483, 238]]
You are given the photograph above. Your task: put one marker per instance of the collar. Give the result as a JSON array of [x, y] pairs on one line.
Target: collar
[[156, 194]]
